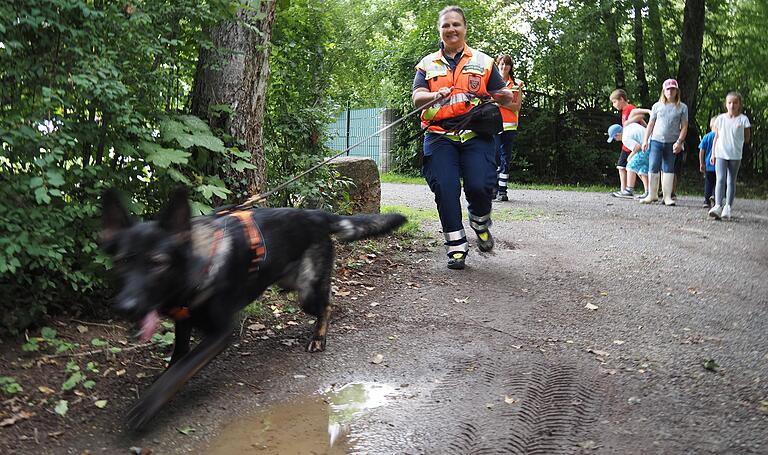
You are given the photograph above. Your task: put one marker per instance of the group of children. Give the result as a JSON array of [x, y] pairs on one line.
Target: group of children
[[652, 150]]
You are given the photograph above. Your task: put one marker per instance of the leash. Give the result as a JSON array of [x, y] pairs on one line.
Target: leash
[[262, 197]]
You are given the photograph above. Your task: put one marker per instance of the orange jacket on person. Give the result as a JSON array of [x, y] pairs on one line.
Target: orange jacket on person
[[469, 82], [508, 116]]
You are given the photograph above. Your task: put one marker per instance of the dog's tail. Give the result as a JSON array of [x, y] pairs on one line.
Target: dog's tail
[[350, 228]]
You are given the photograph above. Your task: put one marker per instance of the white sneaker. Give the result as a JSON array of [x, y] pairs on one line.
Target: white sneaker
[[716, 211], [726, 212], [626, 194]]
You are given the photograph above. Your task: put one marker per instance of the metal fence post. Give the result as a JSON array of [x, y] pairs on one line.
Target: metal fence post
[[348, 125]]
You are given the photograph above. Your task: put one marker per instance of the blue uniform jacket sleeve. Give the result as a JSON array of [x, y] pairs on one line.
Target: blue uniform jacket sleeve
[[420, 80]]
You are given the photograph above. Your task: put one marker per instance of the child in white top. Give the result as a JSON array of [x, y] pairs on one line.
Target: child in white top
[[731, 133]]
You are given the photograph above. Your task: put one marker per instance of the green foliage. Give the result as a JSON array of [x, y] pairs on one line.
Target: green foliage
[[74, 379], [89, 99], [48, 340], [62, 407], [298, 106], [9, 386]]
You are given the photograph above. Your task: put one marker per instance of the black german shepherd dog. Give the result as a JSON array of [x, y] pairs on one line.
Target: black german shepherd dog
[[202, 271]]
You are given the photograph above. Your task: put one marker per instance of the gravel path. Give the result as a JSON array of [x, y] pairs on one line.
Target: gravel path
[[505, 356], [672, 290]]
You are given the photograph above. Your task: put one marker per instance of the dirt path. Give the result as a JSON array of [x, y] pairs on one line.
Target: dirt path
[[504, 357]]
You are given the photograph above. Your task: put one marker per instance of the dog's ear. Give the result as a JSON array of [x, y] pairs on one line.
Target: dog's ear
[[176, 216], [114, 218]]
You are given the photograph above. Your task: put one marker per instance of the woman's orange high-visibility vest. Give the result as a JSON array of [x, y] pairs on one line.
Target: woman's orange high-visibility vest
[[509, 117], [469, 81]]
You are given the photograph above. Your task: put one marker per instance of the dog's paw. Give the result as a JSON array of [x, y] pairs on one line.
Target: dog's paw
[[141, 413], [316, 345]]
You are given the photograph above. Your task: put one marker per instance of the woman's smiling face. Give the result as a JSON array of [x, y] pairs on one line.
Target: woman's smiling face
[[452, 30]]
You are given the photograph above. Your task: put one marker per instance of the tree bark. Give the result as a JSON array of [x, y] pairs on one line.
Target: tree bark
[[642, 81], [248, 123], [690, 64], [235, 73], [609, 19], [659, 46]]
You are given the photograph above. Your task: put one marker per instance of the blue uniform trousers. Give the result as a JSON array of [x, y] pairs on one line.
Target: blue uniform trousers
[[503, 144], [445, 163]]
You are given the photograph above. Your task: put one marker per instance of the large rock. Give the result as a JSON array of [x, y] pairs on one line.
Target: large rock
[[365, 195]]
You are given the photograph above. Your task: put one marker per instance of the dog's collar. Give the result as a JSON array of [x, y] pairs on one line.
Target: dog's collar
[[179, 313]]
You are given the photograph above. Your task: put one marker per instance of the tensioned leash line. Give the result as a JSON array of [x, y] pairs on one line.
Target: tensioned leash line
[[261, 197]]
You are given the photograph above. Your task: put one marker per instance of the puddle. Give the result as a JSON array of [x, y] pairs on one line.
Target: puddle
[[316, 424]]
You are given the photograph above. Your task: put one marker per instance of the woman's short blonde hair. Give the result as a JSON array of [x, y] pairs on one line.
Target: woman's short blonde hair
[[451, 9]]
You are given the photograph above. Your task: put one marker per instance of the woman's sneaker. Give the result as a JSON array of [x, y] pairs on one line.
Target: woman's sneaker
[[726, 212], [456, 261], [484, 241], [642, 196], [716, 212]]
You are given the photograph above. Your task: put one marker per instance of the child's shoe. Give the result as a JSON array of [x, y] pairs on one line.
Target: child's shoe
[[726, 212], [625, 193], [716, 212]]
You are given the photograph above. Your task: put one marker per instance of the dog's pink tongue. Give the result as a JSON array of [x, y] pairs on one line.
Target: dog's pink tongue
[[149, 326]]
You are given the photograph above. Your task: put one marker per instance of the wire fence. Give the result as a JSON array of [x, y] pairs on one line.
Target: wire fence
[[354, 125]]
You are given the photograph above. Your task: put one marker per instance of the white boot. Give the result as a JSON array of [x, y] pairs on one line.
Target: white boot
[[653, 188], [667, 182]]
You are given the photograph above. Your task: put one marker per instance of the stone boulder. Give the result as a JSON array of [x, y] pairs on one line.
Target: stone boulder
[[365, 195]]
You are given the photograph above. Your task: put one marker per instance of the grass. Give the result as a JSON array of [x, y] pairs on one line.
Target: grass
[[400, 178], [691, 186], [417, 216], [391, 177]]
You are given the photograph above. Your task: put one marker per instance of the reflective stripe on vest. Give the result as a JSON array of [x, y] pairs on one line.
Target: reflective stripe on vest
[[509, 118], [469, 81]]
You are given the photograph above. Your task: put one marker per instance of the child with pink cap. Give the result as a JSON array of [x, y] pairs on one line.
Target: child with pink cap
[[664, 139]]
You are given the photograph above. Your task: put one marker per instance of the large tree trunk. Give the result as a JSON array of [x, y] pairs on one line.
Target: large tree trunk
[[248, 124], [219, 73], [659, 46], [642, 82], [690, 64], [609, 19], [236, 73]]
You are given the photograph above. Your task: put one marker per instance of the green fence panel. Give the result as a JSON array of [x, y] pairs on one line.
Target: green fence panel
[[362, 123]]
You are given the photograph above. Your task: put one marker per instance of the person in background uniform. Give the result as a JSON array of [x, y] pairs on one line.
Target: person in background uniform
[[455, 78], [504, 140]]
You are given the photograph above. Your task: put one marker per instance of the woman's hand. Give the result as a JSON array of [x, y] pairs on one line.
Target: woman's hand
[[645, 145], [444, 92]]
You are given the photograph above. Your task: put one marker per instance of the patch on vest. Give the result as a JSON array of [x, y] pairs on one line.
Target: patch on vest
[[474, 83], [473, 68]]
